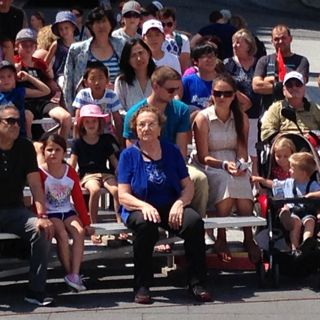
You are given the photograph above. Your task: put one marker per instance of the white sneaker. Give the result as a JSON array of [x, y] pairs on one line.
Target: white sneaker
[[75, 282]]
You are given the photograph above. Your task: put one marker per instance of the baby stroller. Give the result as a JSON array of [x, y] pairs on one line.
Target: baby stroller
[[277, 257]]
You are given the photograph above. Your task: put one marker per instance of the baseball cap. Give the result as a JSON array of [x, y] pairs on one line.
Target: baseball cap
[[26, 34], [131, 6], [64, 16], [4, 64], [152, 24], [293, 75]]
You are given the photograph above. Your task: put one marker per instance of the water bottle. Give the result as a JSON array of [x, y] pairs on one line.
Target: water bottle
[[277, 189]]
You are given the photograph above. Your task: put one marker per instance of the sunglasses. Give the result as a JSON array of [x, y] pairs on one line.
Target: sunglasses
[[167, 24], [293, 83], [171, 90], [11, 121], [132, 14], [225, 94]]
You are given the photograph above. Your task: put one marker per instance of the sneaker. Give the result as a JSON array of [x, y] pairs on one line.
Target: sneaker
[[75, 282], [38, 298]]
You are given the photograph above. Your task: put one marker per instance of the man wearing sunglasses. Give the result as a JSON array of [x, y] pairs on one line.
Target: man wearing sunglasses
[[18, 165], [165, 83], [131, 12], [308, 113]]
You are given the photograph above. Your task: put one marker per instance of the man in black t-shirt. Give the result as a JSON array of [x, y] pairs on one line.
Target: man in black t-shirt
[[18, 165], [265, 79]]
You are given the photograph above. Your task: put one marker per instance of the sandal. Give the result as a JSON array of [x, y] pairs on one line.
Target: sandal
[[254, 252], [96, 239], [222, 251]]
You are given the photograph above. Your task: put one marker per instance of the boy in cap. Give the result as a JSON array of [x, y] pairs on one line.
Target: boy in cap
[[10, 93], [65, 28], [153, 35], [44, 106], [131, 13]]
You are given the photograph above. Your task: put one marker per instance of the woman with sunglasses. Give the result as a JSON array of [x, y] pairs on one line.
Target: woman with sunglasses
[[156, 191], [221, 137], [136, 67], [101, 47], [131, 12]]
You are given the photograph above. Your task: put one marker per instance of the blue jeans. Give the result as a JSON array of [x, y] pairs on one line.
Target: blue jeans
[[22, 222]]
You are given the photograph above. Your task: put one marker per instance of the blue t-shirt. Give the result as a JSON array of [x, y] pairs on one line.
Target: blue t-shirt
[[16, 97], [196, 91], [301, 188], [177, 120], [157, 183]]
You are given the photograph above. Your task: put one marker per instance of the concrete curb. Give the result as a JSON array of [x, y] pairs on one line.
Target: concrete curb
[[311, 3]]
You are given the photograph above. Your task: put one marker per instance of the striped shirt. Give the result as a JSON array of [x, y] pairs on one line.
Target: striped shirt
[[111, 63]]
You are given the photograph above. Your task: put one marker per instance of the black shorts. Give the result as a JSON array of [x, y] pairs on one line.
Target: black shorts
[[41, 108]]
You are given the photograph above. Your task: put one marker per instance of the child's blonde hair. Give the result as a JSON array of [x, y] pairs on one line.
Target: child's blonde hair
[[303, 161], [284, 143]]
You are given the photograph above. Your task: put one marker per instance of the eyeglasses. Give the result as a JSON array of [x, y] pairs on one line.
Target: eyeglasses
[[167, 24], [78, 15], [211, 55], [150, 125], [293, 83], [10, 121], [171, 90], [225, 94], [132, 14]]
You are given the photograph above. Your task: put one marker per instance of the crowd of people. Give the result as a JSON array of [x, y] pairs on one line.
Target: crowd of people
[[137, 92]]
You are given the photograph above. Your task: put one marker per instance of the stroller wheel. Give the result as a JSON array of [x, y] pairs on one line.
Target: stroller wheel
[[275, 273], [262, 274]]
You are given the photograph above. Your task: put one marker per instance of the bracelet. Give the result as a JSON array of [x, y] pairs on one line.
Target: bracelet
[[42, 216], [224, 165]]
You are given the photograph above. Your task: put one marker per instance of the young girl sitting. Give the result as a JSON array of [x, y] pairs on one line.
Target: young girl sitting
[[91, 152], [283, 148], [96, 80], [60, 181]]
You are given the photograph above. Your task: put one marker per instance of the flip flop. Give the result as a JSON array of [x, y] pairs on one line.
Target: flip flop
[[96, 239], [163, 248], [254, 252], [222, 251]]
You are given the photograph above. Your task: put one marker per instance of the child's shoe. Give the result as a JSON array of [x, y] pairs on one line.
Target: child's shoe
[[74, 281]]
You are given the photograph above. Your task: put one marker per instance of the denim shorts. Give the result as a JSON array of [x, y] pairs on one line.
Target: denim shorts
[[62, 215]]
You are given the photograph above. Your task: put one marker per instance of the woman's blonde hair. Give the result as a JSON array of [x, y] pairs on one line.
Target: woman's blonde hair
[[45, 38], [247, 36]]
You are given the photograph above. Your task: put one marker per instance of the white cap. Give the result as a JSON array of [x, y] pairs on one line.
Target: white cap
[[157, 4], [150, 24], [293, 75]]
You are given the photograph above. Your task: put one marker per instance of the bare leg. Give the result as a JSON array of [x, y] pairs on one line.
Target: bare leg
[[74, 227], [61, 235], [93, 187], [308, 229], [223, 209], [29, 118], [64, 118], [295, 233]]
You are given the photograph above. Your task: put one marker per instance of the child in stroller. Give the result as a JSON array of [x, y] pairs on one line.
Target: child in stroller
[[295, 217]]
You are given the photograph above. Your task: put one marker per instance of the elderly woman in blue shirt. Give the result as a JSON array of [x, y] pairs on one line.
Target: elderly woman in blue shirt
[[155, 190]]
